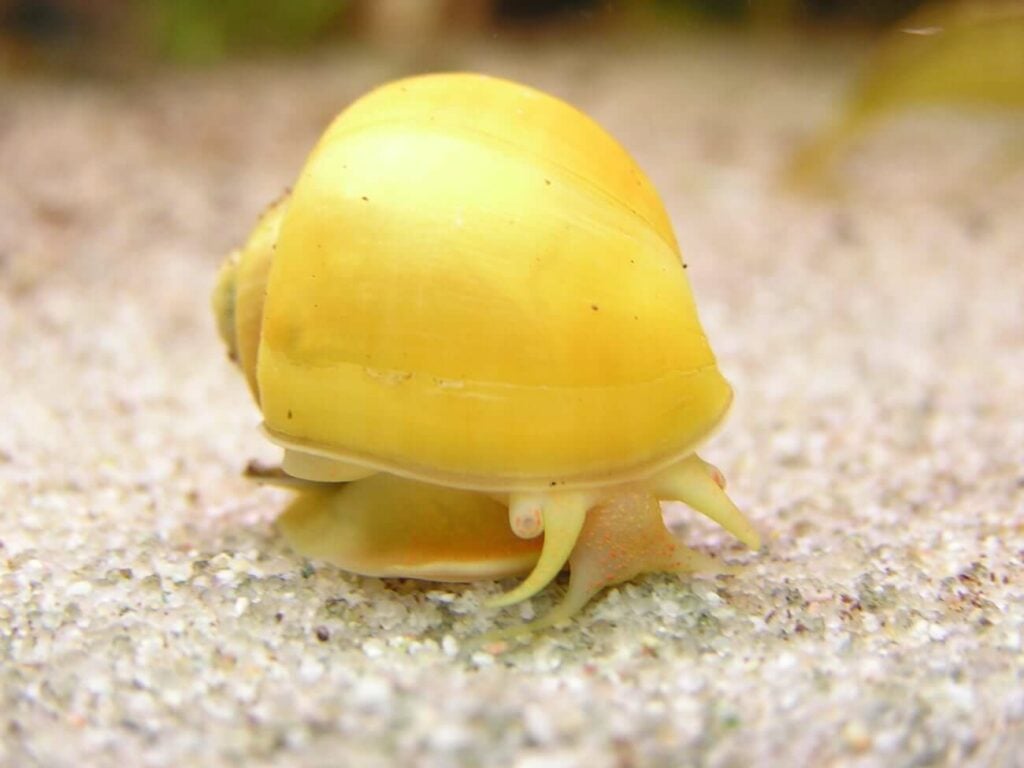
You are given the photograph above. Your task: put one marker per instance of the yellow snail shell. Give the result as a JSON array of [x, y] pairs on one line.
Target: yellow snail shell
[[471, 315]]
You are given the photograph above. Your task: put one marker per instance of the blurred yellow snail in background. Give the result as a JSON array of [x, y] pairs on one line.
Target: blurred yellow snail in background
[[967, 54], [470, 329]]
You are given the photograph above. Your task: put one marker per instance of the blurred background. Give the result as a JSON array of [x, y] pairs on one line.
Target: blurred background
[[896, 53], [115, 35]]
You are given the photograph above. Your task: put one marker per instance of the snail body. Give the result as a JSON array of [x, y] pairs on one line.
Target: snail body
[[472, 305]]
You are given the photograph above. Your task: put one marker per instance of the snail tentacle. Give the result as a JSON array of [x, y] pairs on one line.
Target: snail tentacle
[[526, 515], [563, 517], [700, 485]]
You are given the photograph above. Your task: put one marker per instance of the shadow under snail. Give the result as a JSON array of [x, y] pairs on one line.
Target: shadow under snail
[[469, 327]]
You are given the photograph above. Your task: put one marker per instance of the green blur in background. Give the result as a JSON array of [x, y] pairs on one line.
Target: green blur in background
[[199, 30], [207, 31]]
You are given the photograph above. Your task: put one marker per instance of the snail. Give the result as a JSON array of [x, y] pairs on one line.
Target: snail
[[470, 329]]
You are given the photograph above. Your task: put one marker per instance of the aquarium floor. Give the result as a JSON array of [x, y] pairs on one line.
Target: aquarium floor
[[149, 615]]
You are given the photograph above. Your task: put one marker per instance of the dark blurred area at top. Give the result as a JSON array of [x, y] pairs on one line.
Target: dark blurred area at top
[[110, 36]]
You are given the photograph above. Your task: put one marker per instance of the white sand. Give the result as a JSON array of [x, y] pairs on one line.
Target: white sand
[[150, 616]]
